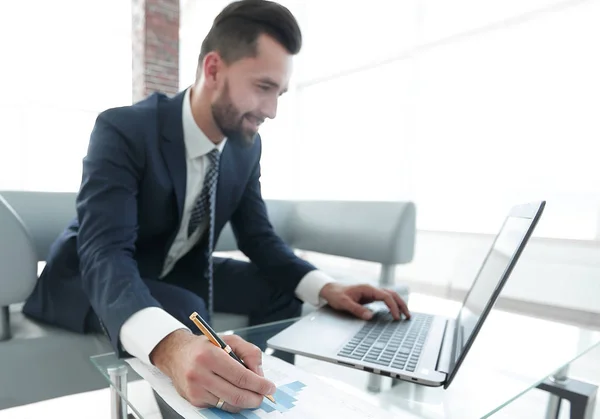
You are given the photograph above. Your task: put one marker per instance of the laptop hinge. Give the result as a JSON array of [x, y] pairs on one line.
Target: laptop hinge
[[445, 357]]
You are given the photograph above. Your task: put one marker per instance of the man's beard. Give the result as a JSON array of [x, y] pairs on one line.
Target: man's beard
[[230, 121]]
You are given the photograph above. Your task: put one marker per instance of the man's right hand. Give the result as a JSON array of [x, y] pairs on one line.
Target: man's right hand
[[202, 373]]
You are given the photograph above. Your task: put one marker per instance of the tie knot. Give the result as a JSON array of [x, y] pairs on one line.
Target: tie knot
[[214, 156]]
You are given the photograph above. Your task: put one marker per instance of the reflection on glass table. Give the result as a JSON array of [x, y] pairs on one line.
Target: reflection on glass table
[[512, 355]]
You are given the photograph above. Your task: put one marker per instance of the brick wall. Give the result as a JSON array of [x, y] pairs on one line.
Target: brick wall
[[155, 47]]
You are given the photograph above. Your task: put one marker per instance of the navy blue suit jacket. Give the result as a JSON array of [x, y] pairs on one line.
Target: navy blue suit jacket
[[129, 209]]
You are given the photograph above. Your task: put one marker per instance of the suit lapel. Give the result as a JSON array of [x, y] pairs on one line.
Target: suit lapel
[[173, 147]]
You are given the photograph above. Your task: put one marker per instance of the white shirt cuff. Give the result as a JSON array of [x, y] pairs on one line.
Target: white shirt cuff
[[310, 286], [142, 331]]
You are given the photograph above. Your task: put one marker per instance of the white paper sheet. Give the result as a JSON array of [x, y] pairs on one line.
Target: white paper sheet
[[299, 395]]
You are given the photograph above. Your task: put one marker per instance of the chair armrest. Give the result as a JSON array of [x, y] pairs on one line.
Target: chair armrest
[[44, 226], [382, 232], [18, 258]]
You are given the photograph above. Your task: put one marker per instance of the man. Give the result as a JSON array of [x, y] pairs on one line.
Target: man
[[160, 180]]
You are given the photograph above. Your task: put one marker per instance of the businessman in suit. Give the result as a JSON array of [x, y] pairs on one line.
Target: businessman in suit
[[160, 180]]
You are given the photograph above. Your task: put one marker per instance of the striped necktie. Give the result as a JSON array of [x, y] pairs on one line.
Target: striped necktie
[[204, 209]]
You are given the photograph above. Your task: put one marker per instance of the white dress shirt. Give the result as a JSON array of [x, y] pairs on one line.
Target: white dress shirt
[[136, 337]]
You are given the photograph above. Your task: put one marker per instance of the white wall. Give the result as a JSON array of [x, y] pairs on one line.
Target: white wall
[[550, 272], [478, 105], [63, 62]]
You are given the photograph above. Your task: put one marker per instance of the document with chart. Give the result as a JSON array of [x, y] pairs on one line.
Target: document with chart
[[299, 395]]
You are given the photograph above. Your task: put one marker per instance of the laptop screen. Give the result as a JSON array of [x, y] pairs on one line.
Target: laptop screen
[[490, 277]]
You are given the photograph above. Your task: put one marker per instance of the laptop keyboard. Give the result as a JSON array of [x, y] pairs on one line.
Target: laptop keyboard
[[385, 341]]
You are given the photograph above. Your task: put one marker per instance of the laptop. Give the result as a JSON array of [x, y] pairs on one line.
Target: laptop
[[426, 349]]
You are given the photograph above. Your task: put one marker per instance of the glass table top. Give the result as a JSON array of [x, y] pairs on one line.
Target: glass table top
[[512, 355]]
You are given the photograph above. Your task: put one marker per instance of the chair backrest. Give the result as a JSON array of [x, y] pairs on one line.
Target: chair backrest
[[382, 232], [279, 212]]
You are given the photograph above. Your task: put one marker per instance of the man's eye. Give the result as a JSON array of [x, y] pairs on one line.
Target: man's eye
[[264, 87]]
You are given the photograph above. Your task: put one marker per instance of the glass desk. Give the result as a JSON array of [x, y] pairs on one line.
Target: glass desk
[[512, 355]]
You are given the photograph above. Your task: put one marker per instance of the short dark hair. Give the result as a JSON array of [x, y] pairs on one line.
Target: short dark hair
[[235, 30]]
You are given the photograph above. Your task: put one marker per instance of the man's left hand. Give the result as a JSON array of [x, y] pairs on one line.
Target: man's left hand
[[352, 297]]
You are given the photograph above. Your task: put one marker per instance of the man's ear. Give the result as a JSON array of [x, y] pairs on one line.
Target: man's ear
[[212, 67]]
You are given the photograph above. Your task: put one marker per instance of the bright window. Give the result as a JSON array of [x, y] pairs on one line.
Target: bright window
[[465, 107], [71, 60]]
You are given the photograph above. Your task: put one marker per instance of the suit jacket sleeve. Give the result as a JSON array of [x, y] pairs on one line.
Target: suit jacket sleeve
[[258, 241], [107, 213]]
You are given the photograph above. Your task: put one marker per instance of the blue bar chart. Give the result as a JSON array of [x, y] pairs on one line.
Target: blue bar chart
[[285, 396]]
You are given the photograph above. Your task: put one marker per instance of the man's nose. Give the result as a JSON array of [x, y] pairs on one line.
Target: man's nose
[[270, 108]]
